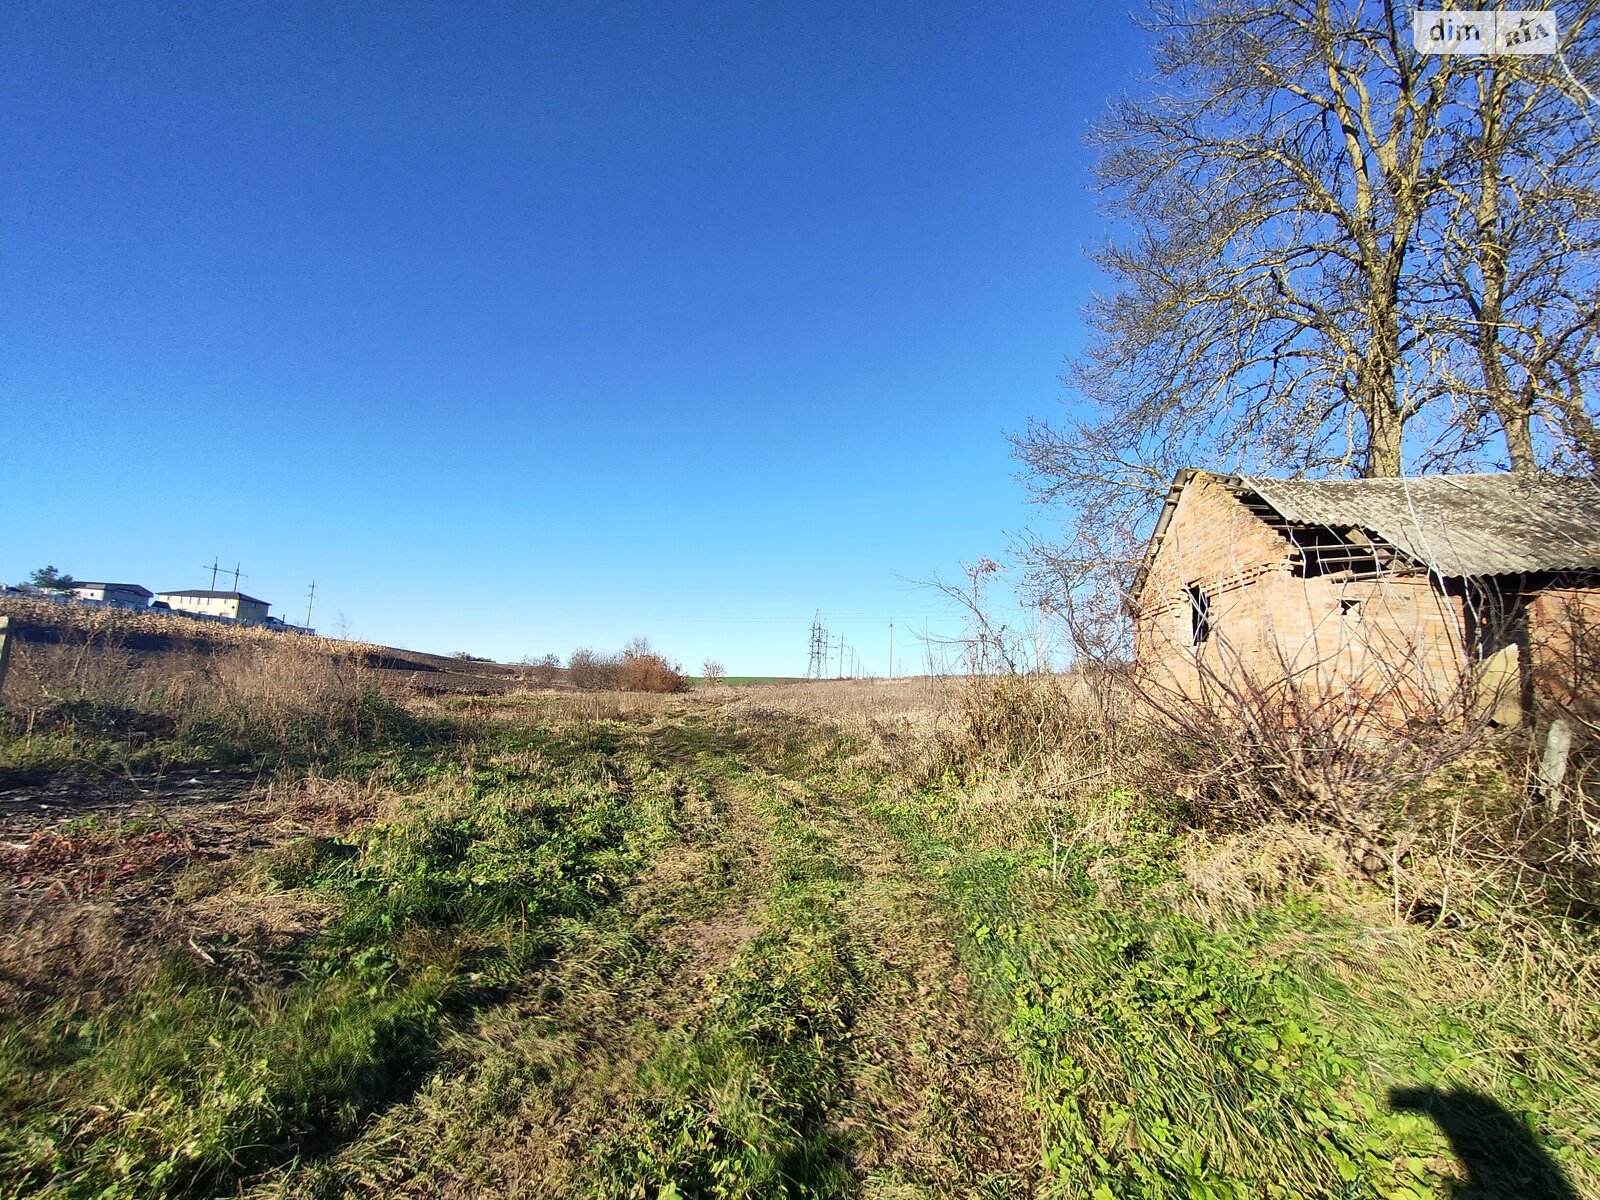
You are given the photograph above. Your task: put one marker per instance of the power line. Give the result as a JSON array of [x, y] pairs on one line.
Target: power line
[[817, 668]]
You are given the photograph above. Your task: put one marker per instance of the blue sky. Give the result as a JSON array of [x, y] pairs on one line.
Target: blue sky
[[520, 327]]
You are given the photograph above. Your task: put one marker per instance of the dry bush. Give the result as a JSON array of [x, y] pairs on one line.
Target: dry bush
[[273, 694], [43, 675], [546, 671], [1038, 723], [590, 671], [1560, 835], [284, 695], [1249, 747], [652, 673], [636, 669]]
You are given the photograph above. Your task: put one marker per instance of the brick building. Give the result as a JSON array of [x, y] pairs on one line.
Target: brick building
[[1416, 593]]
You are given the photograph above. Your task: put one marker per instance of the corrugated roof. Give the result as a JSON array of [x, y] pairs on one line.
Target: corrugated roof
[[1456, 525]]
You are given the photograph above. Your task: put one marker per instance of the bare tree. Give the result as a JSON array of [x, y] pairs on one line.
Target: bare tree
[[712, 671], [1518, 266], [1336, 255], [545, 669], [1276, 180], [592, 671]]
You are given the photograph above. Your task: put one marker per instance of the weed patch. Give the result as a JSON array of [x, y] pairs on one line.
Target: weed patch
[[196, 1080], [1256, 1056]]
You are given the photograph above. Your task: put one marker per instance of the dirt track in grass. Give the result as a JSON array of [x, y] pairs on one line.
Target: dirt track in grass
[[545, 1094]]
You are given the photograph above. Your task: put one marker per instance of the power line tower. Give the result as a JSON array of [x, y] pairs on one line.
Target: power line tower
[[818, 667]]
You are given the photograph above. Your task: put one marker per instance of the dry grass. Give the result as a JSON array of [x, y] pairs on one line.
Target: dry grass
[[561, 709], [270, 696], [121, 623], [52, 940]]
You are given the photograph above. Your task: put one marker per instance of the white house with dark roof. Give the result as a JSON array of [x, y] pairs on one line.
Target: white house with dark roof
[[235, 606], [126, 595]]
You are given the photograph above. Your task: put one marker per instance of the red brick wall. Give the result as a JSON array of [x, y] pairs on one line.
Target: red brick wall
[[1564, 637], [1397, 643]]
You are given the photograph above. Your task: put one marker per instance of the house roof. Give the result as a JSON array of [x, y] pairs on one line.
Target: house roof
[[203, 594], [1457, 526], [126, 587]]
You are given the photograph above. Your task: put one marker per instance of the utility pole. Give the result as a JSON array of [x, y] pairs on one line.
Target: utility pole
[[236, 577], [816, 665], [215, 567], [311, 598], [891, 649]]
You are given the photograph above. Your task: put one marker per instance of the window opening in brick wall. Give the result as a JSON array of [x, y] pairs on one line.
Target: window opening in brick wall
[[1200, 618]]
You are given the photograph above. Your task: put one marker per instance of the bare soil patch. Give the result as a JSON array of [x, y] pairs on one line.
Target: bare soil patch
[[100, 879]]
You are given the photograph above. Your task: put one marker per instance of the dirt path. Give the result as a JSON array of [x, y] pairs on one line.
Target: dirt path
[[623, 1067], [936, 1099], [524, 1094]]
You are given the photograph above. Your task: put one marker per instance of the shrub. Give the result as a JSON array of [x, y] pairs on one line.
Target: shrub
[[594, 672], [545, 669], [652, 673], [637, 669]]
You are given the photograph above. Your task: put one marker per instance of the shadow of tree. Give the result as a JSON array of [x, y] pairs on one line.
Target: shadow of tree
[[1502, 1159]]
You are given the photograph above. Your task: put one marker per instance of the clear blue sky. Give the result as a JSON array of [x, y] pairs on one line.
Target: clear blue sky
[[520, 327]]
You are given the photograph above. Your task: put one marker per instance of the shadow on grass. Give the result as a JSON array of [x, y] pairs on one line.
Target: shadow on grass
[[1502, 1159]]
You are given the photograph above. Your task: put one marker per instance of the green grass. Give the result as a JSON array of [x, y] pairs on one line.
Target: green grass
[[690, 958], [740, 1103], [195, 1080], [1168, 1057]]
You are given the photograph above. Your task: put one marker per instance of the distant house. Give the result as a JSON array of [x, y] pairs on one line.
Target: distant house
[[129, 595], [1394, 588], [235, 606]]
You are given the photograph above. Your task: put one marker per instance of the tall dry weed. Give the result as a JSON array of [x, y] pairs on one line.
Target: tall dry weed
[[287, 694]]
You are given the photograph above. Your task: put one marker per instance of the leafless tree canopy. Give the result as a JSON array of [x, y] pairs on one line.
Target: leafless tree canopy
[[1334, 256]]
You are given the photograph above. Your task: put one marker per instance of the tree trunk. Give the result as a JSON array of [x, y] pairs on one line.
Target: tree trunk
[[1380, 402], [1384, 428], [1519, 439]]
